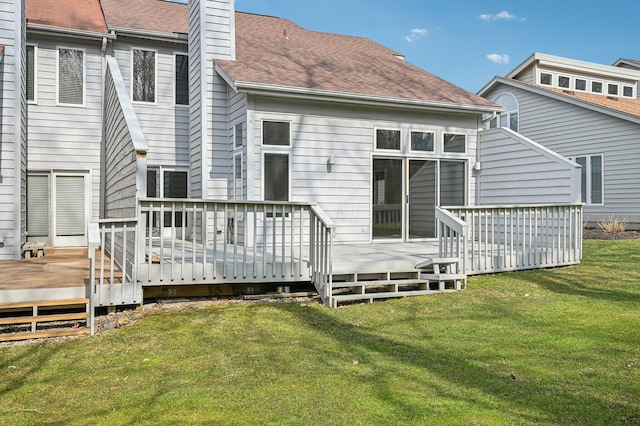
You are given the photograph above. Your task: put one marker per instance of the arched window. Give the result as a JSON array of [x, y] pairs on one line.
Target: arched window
[[509, 118]]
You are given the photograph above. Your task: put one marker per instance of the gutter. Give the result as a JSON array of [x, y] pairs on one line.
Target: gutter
[[354, 98], [151, 35], [68, 32]]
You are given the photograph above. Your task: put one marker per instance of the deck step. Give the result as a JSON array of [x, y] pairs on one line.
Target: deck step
[[377, 283], [46, 318]]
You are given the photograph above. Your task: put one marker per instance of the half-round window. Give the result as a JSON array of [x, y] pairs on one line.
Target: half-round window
[[508, 118]]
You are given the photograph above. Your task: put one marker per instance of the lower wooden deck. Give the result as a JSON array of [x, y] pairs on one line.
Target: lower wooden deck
[[60, 274]]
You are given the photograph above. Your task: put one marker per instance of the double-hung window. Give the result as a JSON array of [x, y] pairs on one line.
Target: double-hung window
[[275, 136], [70, 76], [143, 84], [592, 178]]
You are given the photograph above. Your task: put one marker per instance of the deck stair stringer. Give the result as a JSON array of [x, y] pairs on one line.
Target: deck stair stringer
[[45, 318]]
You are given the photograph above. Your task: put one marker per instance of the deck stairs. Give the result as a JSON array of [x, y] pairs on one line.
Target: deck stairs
[[41, 319], [436, 275]]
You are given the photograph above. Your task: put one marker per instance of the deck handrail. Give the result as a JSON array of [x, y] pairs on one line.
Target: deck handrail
[[519, 237], [322, 231], [452, 235]]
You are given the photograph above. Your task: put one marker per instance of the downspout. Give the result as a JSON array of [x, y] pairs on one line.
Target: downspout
[[103, 150]]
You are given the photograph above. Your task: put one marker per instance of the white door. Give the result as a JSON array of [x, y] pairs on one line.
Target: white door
[[69, 210]]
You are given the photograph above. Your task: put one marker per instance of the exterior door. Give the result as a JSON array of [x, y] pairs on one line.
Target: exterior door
[[70, 215], [405, 192]]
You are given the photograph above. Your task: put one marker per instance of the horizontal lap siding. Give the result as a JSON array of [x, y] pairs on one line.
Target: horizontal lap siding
[[572, 130], [9, 146], [515, 172], [165, 125], [67, 138], [320, 130]]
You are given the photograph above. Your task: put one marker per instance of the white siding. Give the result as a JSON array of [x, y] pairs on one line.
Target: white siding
[[320, 130], [67, 138], [12, 131], [571, 130], [211, 36], [165, 125], [515, 170]]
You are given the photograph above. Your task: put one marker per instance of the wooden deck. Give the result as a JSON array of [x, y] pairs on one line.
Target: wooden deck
[[381, 257], [59, 274]]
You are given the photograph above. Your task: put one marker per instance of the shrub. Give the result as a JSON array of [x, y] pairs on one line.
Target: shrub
[[613, 225]]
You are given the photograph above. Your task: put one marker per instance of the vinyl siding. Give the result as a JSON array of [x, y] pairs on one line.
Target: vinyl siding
[[12, 136], [515, 170], [572, 130], [67, 138], [124, 169], [165, 125], [320, 130]]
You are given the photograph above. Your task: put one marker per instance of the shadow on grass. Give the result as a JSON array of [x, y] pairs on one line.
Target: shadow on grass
[[456, 376]]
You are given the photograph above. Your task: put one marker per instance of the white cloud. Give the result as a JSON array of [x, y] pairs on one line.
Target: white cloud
[[497, 58], [504, 16], [416, 34]]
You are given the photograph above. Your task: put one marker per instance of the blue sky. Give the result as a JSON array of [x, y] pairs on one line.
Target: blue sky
[[467, 42]]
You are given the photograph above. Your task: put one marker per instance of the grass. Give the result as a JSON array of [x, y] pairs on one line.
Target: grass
[[542, 347]]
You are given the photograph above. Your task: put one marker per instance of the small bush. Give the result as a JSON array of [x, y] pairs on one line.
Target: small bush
[[612, 225]]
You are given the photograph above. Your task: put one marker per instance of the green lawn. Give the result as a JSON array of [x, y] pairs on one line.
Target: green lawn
[[542, 347]]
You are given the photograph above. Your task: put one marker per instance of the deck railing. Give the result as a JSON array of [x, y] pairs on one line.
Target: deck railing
[[322, 230], [452, 234], [113, 263], [185, 241], [512, 238]]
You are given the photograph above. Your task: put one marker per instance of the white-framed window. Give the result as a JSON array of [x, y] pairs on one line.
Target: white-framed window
[[32, 73], [143, 75], [423, 141], [596, 87], [238, 135], [612, 89], [388, 139], [276, 133], [546, 79], [168, 182], [564, 82], [71, 76], [510, 117], [592, 178], [627, 91], [581, 84], [238, 175], [181, 79], [454, 143]]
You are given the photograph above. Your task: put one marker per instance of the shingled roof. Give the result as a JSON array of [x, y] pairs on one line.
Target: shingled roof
[[628, 106], [276, 52], [148, 15], [82, 15]]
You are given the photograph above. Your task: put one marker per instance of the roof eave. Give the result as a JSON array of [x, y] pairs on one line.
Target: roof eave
[[150, 35], [564, 98], [346, 97], [67, 32]]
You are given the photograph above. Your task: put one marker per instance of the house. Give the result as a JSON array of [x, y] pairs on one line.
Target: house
[[586, 112], [196, 145]]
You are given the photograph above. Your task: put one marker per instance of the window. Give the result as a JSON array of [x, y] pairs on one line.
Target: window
[[592, 189], [581, 84], [276, 177], [454, 143], [182, 80], [239, 137], [563, 82], [612, 89], [627, 91], [422, 141], [276, 133], [388, 139], [31, 73], [596, 87], [546, 79], [167, 184], [509, 118], [237, 177], [70, 76], [143, 85]]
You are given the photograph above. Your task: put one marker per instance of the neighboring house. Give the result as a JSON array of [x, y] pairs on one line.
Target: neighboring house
[[586, 112]]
